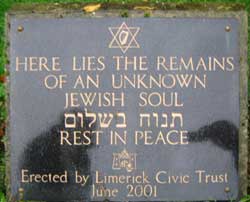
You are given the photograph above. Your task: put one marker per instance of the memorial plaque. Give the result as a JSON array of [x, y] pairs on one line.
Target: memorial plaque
[[124, 109]]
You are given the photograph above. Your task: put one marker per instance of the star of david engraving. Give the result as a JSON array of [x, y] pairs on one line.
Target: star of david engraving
[[124, 37]]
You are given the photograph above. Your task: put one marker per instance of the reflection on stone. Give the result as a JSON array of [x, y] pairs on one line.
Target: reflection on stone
[[55, 165], [222, 133]]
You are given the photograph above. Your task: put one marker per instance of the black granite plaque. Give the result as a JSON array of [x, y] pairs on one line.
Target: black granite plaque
[[135, 109]]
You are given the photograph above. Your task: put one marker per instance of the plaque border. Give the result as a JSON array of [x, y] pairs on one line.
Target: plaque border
[[142, 10]]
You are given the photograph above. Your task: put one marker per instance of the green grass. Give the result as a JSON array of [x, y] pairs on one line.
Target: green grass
[[2, 197], [2, 175], [245, 199], [6, 4]]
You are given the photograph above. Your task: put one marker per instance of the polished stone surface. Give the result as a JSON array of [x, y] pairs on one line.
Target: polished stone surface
[[211, 115]]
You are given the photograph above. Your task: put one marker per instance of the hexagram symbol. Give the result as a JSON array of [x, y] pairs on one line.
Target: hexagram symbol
[[124, 37]]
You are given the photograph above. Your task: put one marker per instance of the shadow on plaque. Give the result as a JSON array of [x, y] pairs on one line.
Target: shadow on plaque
[[44, 154]]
